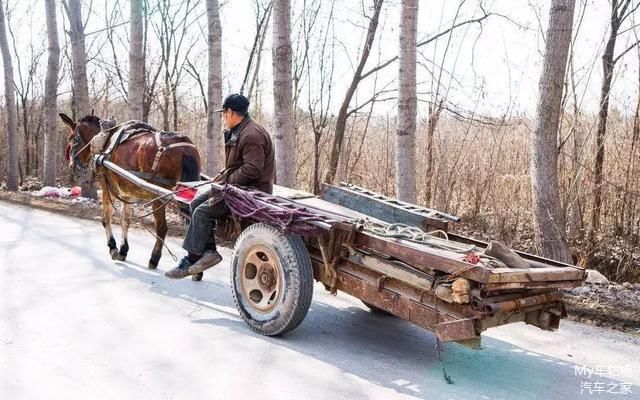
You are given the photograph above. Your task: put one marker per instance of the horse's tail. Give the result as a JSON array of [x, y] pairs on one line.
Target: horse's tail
[[190, 168]]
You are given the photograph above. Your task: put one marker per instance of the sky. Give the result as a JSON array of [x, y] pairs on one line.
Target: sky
[[492, 69]]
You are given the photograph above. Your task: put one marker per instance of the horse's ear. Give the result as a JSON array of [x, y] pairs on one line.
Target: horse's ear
[[68, 121]]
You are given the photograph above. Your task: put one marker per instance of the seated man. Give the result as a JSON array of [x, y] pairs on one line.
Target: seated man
[[249, 161]]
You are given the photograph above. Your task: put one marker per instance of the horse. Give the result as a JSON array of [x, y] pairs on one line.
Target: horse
[[163, 158]]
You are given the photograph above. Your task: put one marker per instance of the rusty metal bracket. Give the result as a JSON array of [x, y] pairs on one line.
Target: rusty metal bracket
[[340, 237], [462, 329], [381, 281]]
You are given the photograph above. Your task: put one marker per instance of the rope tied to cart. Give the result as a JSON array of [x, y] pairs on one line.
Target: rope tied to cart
[[245, 204], [413, 234]]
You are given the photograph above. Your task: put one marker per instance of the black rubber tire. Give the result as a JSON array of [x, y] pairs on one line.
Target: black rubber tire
[[297, 280], [376, 310]]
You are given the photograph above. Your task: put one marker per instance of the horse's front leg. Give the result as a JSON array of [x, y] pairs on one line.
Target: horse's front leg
[[124, 223], [107, 212], [159, 216]]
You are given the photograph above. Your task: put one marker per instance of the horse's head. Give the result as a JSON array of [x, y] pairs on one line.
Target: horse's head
[[78, 152]]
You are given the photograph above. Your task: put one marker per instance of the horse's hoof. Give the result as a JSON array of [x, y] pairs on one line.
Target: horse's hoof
[[197, 277], [153, 261], [120, 257], [114, 254]]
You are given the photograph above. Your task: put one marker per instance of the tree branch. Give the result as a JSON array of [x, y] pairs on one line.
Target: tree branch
[[430, 40]]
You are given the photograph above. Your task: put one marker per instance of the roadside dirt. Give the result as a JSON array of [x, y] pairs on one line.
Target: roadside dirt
[[90, 209], [609, 305]]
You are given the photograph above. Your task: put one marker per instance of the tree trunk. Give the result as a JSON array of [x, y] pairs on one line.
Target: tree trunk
[[51, 97], [10, 98], [174, 103], [79, 59], [432, 123], [576, 225], [27, 137], [79, 76], [214, 92], [317, 135], [136, 62], [341, 120], [407, 104], [547, 217], [603, 114], [282, 94]]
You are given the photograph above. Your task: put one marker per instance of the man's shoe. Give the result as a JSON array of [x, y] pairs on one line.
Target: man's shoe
[[181, 271], [208, 260]]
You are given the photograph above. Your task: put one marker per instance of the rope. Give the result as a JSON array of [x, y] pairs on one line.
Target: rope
[[413, 234], [244, 204]]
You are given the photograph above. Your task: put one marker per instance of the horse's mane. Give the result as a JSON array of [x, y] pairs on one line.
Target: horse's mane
[[92, 119]]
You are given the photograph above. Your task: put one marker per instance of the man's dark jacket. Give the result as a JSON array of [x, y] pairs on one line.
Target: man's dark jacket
[[249, 156]]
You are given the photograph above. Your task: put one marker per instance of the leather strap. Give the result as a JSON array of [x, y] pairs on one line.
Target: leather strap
[[162, 149]]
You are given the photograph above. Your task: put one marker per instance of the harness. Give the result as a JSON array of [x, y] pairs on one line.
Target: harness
[[117, 135], [76, 141], [162, 149]]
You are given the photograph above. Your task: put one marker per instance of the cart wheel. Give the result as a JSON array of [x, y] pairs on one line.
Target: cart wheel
[[197, 277], [376, 310], [272, 279]]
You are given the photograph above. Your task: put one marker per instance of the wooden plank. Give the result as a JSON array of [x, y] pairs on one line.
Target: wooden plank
[[422, 258], [532, 285], [501, 275], [427, 212], [377, 208], [403, 273]]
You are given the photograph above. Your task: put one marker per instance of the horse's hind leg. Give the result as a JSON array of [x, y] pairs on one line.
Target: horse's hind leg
[[124, 223], [159, 215], [107, 212]]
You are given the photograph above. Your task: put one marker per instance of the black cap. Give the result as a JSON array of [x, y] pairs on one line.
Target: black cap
[[235, 102]]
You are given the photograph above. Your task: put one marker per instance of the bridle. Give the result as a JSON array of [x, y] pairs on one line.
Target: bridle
[[75, 141]]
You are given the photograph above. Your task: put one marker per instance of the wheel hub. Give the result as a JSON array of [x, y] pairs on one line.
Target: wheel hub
[[261, 282], [267, 278]]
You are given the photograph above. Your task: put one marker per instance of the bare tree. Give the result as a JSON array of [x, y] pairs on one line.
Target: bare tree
[[9, 95], [620, 10], [80, 99], [27, 62], [407, 104], [151, 75], [79, 58], [319, 105], [341, 120], [547, 217], [136, 61], [214, 92], [51, 96], [176, 43], [252, 71], [282, 94]]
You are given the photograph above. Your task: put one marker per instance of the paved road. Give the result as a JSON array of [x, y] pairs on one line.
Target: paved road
[[76, 325]]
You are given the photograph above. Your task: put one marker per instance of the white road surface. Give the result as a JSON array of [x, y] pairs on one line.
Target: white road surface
[[76, 325]]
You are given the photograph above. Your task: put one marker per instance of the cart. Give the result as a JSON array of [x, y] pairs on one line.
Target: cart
[[397, 258]]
